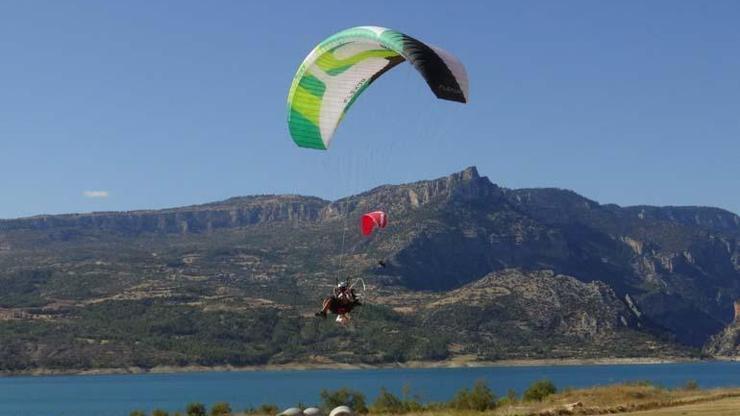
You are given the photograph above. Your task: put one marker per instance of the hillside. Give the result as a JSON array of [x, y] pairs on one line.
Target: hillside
[[551, 274]]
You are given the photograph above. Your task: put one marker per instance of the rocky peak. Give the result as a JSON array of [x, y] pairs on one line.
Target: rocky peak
[[463, 185], [467, 174], [466, 185]]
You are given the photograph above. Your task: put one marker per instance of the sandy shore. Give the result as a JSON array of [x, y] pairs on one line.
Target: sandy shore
[[460, 362]]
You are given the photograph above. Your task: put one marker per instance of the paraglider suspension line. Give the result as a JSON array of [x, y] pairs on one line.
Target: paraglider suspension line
[[341, 251]]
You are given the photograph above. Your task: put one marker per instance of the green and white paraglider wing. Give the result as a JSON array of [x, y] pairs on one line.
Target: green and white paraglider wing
[[338, 69]]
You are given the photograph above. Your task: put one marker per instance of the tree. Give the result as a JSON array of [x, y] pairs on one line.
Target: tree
[[137, 413], [196, 409], [343, 397], [160, 412], [538, 390]]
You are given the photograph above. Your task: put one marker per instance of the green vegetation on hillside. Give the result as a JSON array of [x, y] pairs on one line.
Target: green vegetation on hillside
[[473, 272]]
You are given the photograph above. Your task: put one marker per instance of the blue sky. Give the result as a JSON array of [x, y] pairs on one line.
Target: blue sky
[[167, 103]]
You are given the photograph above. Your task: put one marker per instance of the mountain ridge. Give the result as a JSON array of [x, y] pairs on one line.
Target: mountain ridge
[[466, 175], [266, 260]]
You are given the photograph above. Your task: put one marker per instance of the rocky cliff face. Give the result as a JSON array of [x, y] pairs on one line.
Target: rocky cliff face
[[232, 213], [537, 314], [678, 264], [727, 342]]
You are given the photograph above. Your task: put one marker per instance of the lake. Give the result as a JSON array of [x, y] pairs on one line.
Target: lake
[[120, 394]]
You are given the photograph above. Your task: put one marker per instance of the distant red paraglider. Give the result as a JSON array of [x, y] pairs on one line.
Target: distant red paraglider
[[372, 220]]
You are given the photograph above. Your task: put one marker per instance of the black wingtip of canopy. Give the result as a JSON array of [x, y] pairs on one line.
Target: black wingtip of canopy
[[450, 94]]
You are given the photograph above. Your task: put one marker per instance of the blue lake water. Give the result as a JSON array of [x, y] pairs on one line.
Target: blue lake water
[[120, 394]]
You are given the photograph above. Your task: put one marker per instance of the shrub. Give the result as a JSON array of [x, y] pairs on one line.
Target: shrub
[[413, 405], [137, 413], [387, 402], [510, 398], [539, 390], [343, 397], [479, 398], [691, 385], [195, 409], [160, 412], [436, 407], [460, 400], [221, 409], [641, 383], [268, 409]]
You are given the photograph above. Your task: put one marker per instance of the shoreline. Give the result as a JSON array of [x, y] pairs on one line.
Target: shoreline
[[359, 366]]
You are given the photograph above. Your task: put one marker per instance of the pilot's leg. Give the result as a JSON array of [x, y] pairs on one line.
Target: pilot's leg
[[326, 306]]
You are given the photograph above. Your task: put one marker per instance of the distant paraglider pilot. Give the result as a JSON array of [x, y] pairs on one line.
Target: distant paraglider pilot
[[340, 303]]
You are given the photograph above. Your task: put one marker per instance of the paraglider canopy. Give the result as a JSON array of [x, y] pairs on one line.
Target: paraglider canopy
[[342, 66], [371, 221]]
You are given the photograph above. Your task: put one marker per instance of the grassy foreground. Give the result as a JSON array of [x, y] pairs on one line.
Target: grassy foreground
[[637, 399], [723, 407], [540, 399]]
